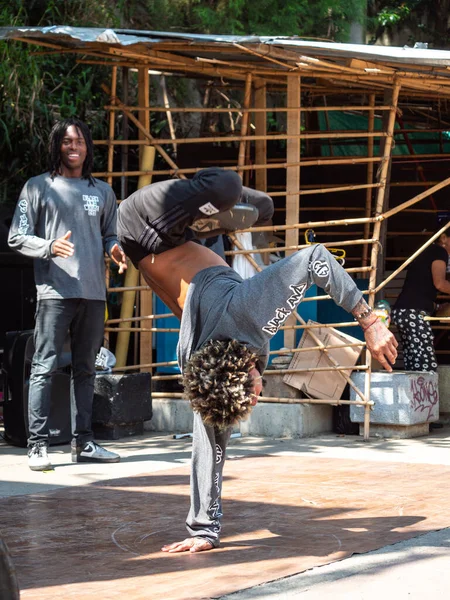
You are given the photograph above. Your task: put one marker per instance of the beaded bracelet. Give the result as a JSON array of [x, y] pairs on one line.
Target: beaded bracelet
[[364, 314]]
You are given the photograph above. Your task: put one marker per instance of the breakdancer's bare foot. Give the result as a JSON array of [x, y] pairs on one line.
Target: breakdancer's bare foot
[[193, 544]]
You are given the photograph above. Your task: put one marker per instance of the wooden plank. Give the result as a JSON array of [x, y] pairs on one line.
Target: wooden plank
[[144, 101], [244, 123], [370, 170], [292, 179], [260, 119], [145, 303]]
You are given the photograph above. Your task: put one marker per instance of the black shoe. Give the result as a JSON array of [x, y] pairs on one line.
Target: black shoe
[[92, 452]]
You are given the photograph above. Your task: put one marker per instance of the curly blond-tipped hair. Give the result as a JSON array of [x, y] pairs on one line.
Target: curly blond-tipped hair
[[218, 383]]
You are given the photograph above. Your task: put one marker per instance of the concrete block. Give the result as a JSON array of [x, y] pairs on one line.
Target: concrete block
[[397, 431], [121, 405], [266, 419], [171, 415], [287, 420], [276, 388], [444, 389], [401, 398]]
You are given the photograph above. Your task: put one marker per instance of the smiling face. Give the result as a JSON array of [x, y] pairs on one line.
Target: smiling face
[[73, 152]]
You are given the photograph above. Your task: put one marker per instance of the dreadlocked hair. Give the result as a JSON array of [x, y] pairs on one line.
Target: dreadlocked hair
[[218, 383], [54, 147]]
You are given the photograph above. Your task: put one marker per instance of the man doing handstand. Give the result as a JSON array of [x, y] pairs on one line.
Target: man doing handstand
[[226, 322]]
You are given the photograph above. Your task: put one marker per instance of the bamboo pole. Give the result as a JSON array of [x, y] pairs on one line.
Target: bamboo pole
[[334, 402], [146, 295], [272, 400], [382, 178], [150, 139], [274, 136], [284, 165], [248, 253], [411, 258], [110, 160], [384, 167], [244, 123], [327, 120], [127, 308], [134, 288], [339, 188], [436, 319], [255, 109], [293, 150], [276, 163], [318, 369], [131, 279], [261, 129], [368, 207], [418, 198], [168, 111], [112, 124], [283, 351], [140, 318], [125, 134], [265, 57], [286, 371], [144, 300], [298, 247], [172, 363]]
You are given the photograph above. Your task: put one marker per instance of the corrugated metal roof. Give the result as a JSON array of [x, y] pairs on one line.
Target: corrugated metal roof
[[77, 37], [355, 66]]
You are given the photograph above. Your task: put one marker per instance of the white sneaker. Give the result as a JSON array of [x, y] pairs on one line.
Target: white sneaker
[[92, 452], [38, 459]]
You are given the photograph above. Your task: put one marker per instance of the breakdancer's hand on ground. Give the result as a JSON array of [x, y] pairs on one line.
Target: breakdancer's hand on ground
[[381, 344], [193, 544]]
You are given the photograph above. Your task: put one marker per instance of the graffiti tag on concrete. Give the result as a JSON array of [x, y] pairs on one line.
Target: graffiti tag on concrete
[[425, 395]]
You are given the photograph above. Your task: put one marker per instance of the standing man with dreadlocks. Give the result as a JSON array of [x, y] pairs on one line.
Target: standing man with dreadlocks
[[66, 220]]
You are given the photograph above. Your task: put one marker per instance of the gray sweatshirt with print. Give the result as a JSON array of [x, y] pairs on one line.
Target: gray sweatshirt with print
[[47, 209], [220, 305]]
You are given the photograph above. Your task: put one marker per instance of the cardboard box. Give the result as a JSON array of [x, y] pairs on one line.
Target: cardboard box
[[323, 384]]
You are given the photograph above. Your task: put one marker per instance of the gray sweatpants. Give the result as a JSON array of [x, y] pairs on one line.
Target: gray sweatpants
[[261, 303]]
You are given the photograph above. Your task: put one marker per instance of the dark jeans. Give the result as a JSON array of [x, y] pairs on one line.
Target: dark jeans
[[84, 320]]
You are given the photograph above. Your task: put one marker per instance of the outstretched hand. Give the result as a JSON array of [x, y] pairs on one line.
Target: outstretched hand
[[193, 544], [118, 256], [381, 344], [62, 247]]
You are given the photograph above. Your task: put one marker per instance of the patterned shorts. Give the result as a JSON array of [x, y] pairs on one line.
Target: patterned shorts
[[417, 339]]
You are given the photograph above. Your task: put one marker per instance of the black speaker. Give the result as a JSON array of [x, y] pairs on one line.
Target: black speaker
[[18, 354]]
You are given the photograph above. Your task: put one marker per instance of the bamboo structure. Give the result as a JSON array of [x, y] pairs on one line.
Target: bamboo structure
[[293, 193], [272, 108]]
